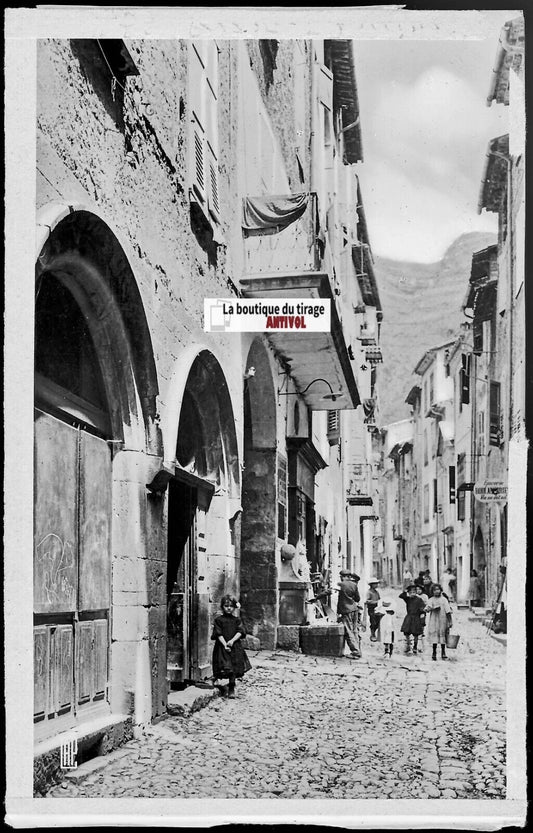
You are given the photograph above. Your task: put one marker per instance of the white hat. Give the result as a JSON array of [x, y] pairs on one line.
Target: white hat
[[373, 580]]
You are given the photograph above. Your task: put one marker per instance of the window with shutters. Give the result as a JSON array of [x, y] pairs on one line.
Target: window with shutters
[[203, 137], [495, 416]]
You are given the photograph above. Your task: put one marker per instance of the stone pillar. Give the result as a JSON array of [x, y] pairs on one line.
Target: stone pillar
[[259, 585]]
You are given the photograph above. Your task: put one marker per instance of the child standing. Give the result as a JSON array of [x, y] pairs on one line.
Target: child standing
[[387, 624], [413, 624], [421, 595], [439, 620], [229, 657]]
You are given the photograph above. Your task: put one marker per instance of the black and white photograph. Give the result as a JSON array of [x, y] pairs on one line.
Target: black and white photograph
[[265, 417]]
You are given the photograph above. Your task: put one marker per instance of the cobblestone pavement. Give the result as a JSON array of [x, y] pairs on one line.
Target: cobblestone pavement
[[316, 727]]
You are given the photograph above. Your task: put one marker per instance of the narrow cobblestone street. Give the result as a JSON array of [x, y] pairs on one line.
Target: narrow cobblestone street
[[305, 726]]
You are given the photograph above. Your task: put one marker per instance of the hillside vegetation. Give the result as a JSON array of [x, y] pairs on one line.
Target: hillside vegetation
[[421, 309]]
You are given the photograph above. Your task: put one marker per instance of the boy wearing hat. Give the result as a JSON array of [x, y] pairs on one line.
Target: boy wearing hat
[[347, 608], [414, 621], [372, 599]]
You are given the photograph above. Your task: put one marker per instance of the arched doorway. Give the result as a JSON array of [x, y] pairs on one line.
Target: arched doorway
[[203, 519], [264, 499], [88, 387]]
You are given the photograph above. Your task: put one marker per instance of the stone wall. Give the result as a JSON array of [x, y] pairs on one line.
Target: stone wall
[[124, 155]]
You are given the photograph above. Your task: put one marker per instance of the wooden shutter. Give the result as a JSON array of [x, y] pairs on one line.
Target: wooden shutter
[[333, 427], [63, 668], [197, 136], [477, 333], [100, 656], [55, 532], [324, 79], [41, 667], [451, 483], [494, 414], [461, 501], [95, 521], [465, 380], [91, 660], [211, 108], [84, 665]]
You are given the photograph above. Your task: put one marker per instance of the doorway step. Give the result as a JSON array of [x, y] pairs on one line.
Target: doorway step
[[189, 700]]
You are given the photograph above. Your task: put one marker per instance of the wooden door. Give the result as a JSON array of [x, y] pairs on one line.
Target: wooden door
[[180, 578], [71, 569]]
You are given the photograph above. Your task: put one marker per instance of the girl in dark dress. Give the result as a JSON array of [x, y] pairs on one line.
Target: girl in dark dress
[[413, 624], [229, 657]]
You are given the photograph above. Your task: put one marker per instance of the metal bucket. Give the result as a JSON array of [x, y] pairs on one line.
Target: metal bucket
[[452, 640]]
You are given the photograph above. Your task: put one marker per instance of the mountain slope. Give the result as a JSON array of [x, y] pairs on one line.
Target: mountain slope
[[421, 309]]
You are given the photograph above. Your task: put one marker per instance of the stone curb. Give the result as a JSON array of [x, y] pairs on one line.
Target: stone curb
[[83, 771]]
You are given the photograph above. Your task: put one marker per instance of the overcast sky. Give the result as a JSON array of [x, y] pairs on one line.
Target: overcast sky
[[425, 128]]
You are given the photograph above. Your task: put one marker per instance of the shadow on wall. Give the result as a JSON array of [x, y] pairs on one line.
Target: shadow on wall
[[96, 63]]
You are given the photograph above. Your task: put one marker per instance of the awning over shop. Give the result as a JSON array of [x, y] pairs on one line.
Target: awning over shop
[[310, 355]]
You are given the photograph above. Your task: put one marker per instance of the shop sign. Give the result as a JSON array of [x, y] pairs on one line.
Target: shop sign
[[491, 491]]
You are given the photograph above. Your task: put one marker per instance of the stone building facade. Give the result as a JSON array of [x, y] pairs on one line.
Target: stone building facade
[[173, 465]]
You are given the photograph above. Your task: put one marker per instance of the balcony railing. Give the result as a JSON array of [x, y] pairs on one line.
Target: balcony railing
[[295, 249]]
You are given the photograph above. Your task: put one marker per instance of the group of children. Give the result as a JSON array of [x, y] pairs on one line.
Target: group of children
[[433, 612]]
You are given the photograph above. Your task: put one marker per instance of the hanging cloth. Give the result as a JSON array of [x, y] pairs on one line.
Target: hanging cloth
[[272, 213]]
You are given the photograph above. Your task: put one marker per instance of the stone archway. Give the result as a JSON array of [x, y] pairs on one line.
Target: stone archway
[[203, 551], [95, 392], [84, 254], [264, 506]]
